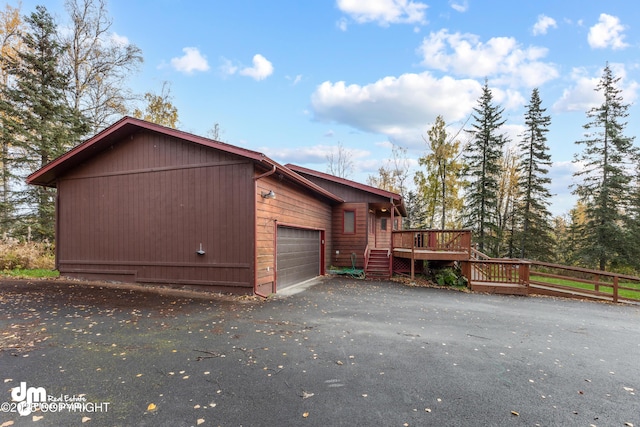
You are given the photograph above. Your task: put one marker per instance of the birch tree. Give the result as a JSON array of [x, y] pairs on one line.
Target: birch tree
[[11, 28], [99, 63]]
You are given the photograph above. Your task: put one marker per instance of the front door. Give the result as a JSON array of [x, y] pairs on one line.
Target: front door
[[383, 232]]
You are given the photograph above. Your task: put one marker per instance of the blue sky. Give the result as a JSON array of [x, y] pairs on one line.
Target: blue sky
[[294, 78]]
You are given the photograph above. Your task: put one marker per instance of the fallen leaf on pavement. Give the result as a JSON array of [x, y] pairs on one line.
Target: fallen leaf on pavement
[[151, 407], [86, 419], [305, 415], [515, 413], [200, 421]]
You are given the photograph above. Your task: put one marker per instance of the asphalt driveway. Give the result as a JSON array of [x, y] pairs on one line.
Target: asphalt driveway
[[341, 353]]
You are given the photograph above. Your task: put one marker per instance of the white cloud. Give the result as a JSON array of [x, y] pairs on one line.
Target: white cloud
[[583, 96], [399, 107], [342, 24], [191, 61], [384, 12], [316, 154], [119, 40], [543, 24], [500, 57], [459, 6], [294, 80], [607, 33], [260, 70], [227, 67]]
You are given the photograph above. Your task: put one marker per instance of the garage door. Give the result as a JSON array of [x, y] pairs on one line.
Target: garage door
[[298, 257]]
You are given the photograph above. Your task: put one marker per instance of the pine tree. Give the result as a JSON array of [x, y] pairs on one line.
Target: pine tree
[[482, 167], [536, 241], [35, 112], [605, 174], [633, 223]]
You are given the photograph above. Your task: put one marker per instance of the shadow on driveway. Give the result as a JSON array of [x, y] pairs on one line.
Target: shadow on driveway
[[342, 352]]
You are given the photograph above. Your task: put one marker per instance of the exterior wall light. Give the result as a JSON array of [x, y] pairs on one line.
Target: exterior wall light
[[268, 195], [200, 251]]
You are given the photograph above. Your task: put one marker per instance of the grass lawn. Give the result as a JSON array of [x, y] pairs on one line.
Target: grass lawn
[[40, 273], [623, 293]]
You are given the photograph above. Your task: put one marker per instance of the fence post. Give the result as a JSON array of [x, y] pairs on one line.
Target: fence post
[[466, 271], [615, 289], [524, 274], [597, 284]]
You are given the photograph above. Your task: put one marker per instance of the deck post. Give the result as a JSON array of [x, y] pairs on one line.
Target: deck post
[[413, 262]]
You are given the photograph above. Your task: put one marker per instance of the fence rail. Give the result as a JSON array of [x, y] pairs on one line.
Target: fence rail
[[582, 281]]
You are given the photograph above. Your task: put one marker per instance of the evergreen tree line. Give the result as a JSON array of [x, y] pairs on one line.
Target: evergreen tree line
[[500, 190]]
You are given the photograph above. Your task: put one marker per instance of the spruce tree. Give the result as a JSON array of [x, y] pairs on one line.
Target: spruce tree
[[536, 241], [606, 162], [35, 112], [482, 167]]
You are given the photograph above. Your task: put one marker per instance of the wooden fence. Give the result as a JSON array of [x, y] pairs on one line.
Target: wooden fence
[[555, 279]]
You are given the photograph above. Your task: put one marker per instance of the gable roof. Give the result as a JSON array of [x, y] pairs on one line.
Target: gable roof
[[396, 198], [48, 174]]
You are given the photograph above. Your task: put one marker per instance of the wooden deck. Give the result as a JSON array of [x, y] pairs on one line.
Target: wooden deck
[[437, 245], [499, 288], [430, 255], [495, 276], [506, 276]]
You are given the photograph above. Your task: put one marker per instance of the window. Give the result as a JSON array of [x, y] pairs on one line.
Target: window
[[383, 224], [349, 225], [395, 224]]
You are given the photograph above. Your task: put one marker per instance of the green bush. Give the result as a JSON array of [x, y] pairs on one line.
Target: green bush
[[449, 277]]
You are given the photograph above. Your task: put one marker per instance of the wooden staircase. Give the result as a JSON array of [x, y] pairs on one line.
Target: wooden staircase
[[379, 265]]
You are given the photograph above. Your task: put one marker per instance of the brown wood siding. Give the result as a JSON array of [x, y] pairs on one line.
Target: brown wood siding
[[139, 212], [294, 207], [348, 243]]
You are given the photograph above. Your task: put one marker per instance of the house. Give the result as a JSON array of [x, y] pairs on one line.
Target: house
[[143, 203]]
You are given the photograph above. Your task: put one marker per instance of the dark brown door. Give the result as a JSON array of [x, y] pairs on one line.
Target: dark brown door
[[298, 256]]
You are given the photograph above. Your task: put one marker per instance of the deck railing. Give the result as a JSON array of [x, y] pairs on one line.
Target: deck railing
[[433, 240], [497, 271]]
